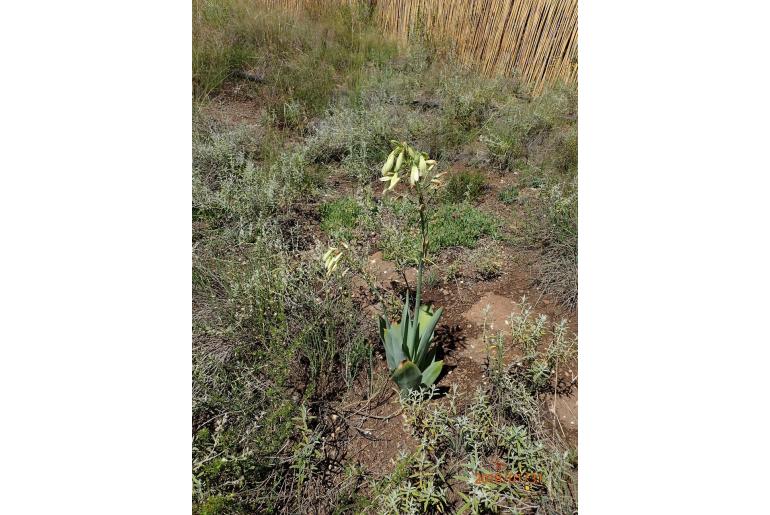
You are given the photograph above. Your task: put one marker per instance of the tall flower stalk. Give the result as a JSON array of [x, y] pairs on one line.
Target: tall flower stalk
[[408, 345], [409, 348]]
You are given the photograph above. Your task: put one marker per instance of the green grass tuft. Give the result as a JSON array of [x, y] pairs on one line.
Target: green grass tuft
[[451, 225], [339, 217], [460, 225], [467, 185], [508, 195]]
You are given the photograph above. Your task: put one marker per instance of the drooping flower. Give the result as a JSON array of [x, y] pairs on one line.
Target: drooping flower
[[415, 176], [389, 162], [393, 181], [399, 161], [332, 259]]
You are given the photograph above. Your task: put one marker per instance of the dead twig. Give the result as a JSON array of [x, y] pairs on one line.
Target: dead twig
[[378, 417]]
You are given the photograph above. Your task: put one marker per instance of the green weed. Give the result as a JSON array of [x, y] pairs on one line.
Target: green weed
[[452, 225], [564, 156], [485, 260], [552, 219], [466, 185], [432, 278], [460, 225], [530, 176], [339, 217], [466, 103], [515, 130], [508, 195]]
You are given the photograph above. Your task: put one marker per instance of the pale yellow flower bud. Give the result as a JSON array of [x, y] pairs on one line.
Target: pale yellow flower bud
[[399, 161], [415, 176], [393, 181], [389, 163]]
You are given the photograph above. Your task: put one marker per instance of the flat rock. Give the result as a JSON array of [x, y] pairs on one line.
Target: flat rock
[[387, 273], [500, 310], [497, 320]]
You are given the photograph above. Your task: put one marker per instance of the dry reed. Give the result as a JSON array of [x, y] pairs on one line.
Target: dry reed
[[534, 39]]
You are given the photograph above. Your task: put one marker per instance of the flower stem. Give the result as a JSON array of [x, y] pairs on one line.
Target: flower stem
[[423, 250]]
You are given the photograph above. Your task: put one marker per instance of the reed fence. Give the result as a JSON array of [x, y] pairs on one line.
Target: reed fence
[[535, 39]]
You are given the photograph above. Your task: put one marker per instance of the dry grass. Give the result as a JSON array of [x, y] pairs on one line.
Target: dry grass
[[534, 39]]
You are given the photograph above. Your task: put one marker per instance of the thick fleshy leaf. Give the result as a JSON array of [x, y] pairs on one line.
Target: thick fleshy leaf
[[423, 319], [430, 358], [407, 375], [426, 335], [412, 339], [430, 374], [393, 351], [425, 315], [405, 319], [395, 334], [384, 324]]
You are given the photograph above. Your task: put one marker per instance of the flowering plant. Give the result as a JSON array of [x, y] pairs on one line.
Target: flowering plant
[[409, 352], [411, 359]]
